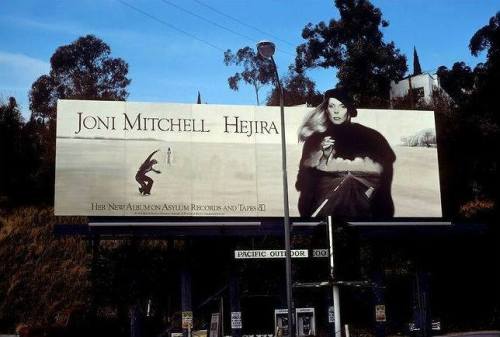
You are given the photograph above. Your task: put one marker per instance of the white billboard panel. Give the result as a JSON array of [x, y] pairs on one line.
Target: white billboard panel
[[135, 159]]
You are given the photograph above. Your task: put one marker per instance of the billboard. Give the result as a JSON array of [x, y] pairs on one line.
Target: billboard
[[183, 160]]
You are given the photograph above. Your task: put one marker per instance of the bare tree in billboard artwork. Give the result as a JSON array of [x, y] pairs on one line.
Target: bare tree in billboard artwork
[[141, 177], [346, 168]]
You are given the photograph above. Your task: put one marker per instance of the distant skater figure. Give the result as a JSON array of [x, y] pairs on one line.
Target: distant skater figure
[[141, 177], [169, 153]]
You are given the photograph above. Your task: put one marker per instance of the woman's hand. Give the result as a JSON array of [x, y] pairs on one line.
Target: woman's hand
[[327, 146]]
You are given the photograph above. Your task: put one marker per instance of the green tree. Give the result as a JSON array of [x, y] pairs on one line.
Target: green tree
[[257, 72], [485, 95], [11, 125], [417, 69], [484, 106], [298, 89], [488, 38], [458, 82], [83, 69], [354, 45], [21, 150], [473, 123]]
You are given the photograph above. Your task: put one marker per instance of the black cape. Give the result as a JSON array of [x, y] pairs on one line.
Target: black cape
[[351, 141]]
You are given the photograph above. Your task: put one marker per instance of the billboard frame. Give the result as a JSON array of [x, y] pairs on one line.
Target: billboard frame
[[161, 227]]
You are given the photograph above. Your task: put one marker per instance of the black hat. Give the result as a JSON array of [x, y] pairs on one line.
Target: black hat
[[342, 96]]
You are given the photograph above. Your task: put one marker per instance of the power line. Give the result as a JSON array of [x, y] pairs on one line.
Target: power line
[[207, 20], [216, 24], [173, 27], [243, 23], [170, 25]]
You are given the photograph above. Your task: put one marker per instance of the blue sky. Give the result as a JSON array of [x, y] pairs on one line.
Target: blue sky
[[168, 66]]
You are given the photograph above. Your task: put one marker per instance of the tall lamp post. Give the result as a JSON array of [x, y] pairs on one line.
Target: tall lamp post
[[266, 50]]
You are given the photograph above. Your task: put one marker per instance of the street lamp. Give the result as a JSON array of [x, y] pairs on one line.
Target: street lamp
[[266, 50]]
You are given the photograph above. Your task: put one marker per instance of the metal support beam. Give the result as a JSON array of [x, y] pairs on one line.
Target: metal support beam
[[286, 211], [186, 304], [335, 287]]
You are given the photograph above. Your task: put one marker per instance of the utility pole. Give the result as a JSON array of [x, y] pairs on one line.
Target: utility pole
[[266, 50], [335, 287]]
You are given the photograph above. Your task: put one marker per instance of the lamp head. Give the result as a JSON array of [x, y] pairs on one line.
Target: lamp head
[[266, 49]]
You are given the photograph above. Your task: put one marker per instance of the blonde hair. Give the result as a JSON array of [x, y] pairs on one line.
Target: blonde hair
[[317, 120], [314, 121]]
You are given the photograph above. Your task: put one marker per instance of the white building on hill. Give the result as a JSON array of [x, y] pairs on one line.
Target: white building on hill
[[420, 84]]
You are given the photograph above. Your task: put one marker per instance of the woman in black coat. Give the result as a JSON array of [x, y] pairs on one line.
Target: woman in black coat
[[346, 168]]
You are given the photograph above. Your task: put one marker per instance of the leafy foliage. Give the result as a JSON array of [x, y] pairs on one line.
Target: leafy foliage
[[487, 38], [477, 208], [44, 278], [458, 82], [256, 71], [297, 89], [417, 69], [470, 124], [354, 45], [41, 275], [20, 152], [11, 123], [83, 69], [487, 76]]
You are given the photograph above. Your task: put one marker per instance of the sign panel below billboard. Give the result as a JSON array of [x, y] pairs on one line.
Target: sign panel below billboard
[[270, 254]]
